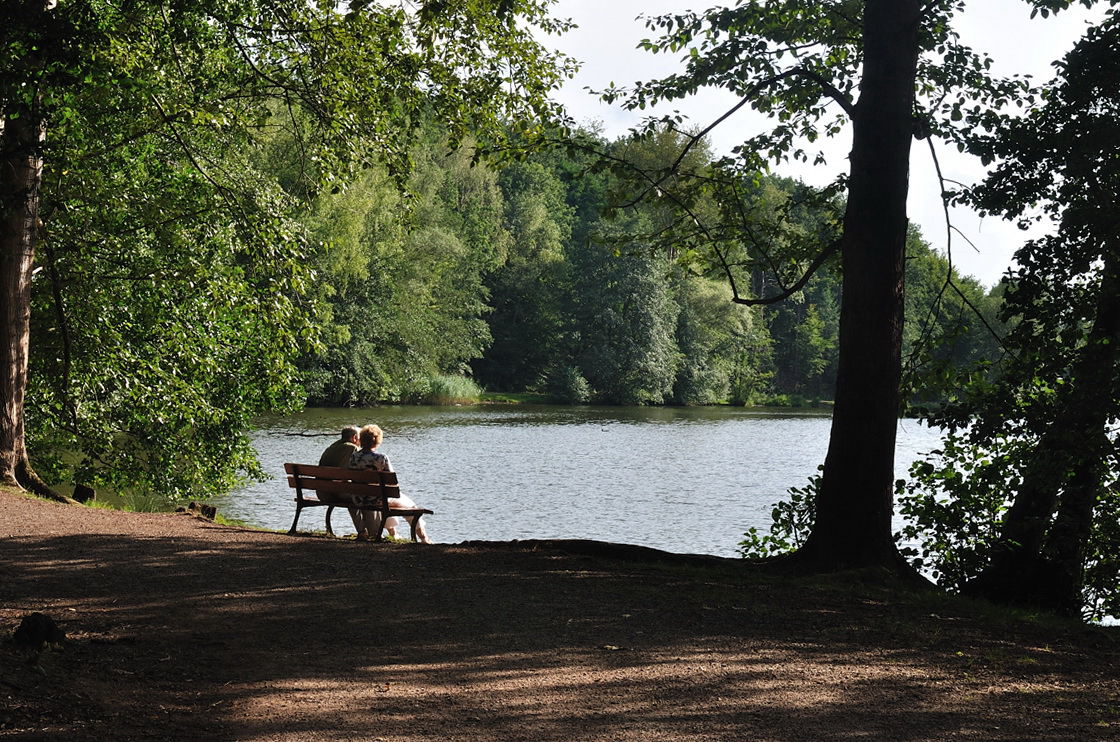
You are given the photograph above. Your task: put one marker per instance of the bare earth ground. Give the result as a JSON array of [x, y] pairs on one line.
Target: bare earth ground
[[180, 629]]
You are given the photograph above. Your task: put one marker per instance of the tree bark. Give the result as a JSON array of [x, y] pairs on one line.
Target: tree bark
[[856, 498], [20, 173], [22, 136]]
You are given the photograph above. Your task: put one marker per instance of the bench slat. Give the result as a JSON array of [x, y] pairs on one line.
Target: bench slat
[[400, 512], [341, 473], [344, 488]]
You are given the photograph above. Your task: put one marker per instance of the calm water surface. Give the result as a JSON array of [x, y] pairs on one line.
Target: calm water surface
[[680, 479]]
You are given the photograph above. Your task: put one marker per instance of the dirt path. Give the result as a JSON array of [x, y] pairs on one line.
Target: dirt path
[[180, 629]]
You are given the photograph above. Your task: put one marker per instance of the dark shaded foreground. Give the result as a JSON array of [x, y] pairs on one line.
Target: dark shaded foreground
[[180, 629]]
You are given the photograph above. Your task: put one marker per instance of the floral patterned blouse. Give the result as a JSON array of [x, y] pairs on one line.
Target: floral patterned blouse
[[366, 458]]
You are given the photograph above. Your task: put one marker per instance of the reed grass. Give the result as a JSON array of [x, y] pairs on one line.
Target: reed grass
[[447, 389]]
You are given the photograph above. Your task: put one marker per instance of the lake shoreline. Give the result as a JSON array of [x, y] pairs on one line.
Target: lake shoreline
[[682, 479], [531, 399]]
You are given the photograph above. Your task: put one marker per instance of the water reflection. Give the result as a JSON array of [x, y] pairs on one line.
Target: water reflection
[[681, 479]]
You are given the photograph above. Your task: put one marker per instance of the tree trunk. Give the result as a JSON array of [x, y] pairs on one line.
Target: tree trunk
[[22, 136], [1040, 559], [20, 172], [1069, 536], [856, 498]]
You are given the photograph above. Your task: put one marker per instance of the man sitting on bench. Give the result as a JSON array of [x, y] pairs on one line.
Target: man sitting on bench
[[338, 454]]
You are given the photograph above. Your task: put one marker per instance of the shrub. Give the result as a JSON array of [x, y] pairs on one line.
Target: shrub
[[566, 384], [792, 520]]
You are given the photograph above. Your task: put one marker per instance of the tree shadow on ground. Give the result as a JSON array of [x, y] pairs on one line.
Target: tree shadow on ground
[[262, 636]]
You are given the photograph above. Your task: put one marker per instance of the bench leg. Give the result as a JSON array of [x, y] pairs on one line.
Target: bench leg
[[417, 528], [330, 509], [292, 530]]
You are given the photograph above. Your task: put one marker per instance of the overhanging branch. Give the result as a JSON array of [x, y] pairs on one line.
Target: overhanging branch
[[826, 87], [818, 261]]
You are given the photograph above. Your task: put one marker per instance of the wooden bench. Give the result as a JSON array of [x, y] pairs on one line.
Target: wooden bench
[[348, 488]]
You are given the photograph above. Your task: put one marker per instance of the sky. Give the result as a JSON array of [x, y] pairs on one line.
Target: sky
[[608, 33]]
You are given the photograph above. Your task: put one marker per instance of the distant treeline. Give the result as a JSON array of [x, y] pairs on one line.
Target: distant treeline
[[527, 277]]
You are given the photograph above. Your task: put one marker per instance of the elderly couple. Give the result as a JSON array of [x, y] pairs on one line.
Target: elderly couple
[[358, 450]]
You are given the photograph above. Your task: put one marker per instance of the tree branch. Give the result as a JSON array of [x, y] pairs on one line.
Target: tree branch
[[949, 246], [64, 329], [830, 90], [818, 261], [694, 139]]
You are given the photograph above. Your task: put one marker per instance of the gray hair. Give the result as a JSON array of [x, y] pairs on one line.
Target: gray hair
[[350, 431]]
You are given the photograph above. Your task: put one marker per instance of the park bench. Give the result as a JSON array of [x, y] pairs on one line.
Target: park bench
[[348, 488]]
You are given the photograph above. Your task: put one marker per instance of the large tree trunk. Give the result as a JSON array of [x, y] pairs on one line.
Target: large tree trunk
[[21, 170], [1040, 559], [856, 499]]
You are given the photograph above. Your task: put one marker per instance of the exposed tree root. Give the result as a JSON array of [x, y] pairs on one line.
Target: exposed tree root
[[1031, 582], [25, 478], [890, 565]]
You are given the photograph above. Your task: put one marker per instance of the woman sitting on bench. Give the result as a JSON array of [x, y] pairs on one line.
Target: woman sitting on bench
[[368, 458]]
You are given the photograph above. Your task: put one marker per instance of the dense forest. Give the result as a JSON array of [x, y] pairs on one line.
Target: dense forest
[[528, 278], [212, 211]]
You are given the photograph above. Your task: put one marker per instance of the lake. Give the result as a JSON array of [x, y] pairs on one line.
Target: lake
[[681, 479]]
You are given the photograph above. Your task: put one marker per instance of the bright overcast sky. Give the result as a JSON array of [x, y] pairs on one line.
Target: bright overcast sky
[[609, 32]]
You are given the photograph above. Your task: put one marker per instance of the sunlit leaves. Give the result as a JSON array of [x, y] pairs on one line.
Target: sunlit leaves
[[179, 288], [404, 286]]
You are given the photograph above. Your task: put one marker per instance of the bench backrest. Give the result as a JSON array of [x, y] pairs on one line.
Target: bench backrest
[[340, 481]]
